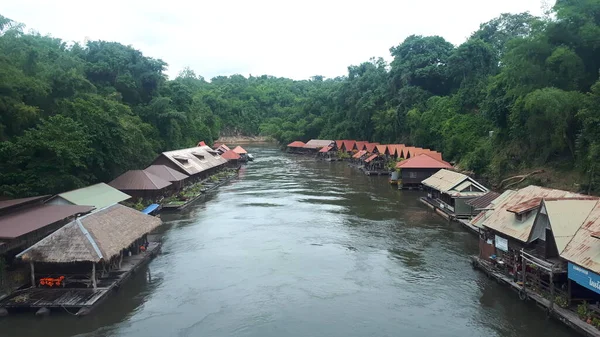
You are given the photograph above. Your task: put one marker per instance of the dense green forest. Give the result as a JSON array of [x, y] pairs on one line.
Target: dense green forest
[[521, 92]]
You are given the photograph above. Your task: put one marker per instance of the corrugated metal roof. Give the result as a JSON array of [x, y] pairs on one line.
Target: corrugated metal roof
[[99, 196], [566, 217], [296, 144], [368, 160], [454, 183], [150, 208], [505, 222], [395, 149], [195, 160], [230, 155], [135, 180], [584, 248], [240, 150], [325, 149], [370, 147], [483, 201], [33, 218], [433, 154], [423, 161], [383, 149], [499, 201], [166, 173], [317, 143], [14, 203], [339, 143], [360, 145]]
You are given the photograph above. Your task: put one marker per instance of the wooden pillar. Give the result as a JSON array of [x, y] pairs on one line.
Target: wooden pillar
[[94, 275], [121, 259], [523, 271], [552, 290], [32, 274], [569, 284]]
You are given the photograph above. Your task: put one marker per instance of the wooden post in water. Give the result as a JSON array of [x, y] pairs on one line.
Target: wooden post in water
[[32, 274], [523, 270], [569, 283], [94, 275], [551, 290]]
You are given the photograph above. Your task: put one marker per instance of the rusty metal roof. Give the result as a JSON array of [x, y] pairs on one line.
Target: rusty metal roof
[[455, 184], [296, 144], [483, 201], [584, 248], [36, 217], [317, 143], [166, 173], [507, 223], [137, 180], [499, 201], [424, 161], [566, 217]]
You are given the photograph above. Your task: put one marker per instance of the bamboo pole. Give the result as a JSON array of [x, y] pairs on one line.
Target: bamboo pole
[[94, 275], [32, 274]]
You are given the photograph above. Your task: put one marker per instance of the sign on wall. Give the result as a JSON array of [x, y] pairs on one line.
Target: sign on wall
[[501, 243], [584, 277]]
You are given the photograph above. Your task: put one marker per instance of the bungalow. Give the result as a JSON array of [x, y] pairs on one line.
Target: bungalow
[[166, 173], [141, 184], [222, 148], [296, 147], [196, 162], [87, 249], [416, 169], [242, 153], [449, 191], [314, 145], [99, 196], [233, 159], [326, 152], [348, 146], [360, 145], [24, 222]]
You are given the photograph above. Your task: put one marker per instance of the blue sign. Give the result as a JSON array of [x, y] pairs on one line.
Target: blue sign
[[584, 277]]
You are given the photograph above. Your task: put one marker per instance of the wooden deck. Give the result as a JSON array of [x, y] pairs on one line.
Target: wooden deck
[[564, 315], [84, 299]]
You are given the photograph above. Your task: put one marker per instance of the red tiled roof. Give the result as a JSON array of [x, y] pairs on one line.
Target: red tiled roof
[[359, 154], [382, 149], [360, 145], [239, 150], [325, 149], [296, 144], [349, 145], [368, 160], [370, 147], [424, 161], [230, 155]]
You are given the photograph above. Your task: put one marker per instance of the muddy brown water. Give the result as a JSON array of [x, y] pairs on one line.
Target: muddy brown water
[[295, 247]]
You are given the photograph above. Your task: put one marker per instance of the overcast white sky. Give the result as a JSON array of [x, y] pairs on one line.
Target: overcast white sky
[[295, 39]]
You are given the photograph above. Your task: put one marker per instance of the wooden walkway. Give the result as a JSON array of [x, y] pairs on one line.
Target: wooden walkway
[[566, 316], [84, 299]]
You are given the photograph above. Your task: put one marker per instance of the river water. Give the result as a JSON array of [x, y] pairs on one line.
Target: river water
[[296, 247]]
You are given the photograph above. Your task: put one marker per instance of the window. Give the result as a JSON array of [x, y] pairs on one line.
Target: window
[[199, 156], [412, 175]]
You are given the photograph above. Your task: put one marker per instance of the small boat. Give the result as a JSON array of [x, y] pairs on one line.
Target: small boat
[[250, 157]]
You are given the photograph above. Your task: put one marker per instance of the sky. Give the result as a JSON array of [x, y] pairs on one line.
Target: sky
[[285, 38]]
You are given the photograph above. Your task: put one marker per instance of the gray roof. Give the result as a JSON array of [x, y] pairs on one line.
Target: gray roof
[[455, 184], [317, 143], [195, 160]]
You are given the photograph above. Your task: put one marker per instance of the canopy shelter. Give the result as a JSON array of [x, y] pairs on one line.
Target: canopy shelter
[[97, 238], [140, 184]]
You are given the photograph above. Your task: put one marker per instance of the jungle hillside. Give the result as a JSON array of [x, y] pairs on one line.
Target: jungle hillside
[[521, 93]]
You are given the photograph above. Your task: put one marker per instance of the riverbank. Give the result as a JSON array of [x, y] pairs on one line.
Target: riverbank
[[244, 139]]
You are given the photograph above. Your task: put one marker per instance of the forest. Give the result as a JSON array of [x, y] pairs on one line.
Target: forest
[[520, 92]]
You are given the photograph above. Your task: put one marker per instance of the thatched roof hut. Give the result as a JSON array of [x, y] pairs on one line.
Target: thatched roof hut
[[93, 238]]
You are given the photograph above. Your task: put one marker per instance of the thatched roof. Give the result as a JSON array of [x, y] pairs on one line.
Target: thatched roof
[[93, 238]]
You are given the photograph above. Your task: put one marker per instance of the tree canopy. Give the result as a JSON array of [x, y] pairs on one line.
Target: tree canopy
[[520, 91]]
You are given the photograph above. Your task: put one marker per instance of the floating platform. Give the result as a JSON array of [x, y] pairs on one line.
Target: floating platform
[[209, 186], [564, 315], [79, 301]]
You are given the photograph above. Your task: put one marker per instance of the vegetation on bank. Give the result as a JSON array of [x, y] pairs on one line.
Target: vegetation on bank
[[521, 92]]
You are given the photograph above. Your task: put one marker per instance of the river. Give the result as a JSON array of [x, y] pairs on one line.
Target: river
[[296, 247]]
